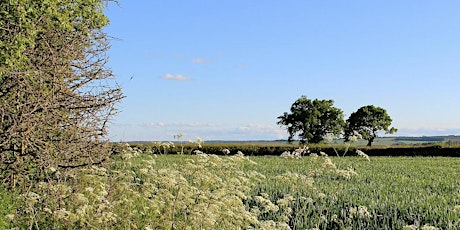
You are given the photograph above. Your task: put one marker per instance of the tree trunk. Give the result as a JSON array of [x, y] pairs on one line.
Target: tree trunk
[[369, 143]]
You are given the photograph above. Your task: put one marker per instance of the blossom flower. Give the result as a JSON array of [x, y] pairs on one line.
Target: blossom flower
[[10, 217], [362, 154], [362, 211], [410, 227], [329, 137], [328, 163], [457, 209], [429, 227], [89, 189]]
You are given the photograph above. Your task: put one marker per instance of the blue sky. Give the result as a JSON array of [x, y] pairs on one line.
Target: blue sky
[[225, 70]]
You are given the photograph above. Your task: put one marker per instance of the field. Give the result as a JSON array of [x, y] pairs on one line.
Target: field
[[170, 191], [395, 191]]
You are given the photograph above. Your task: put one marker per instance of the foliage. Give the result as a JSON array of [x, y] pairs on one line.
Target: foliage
[[201, 192], [56, 94], [368, 120], [312, 120]]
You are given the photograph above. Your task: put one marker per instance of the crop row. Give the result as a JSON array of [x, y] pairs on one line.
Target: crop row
[[385, 193]]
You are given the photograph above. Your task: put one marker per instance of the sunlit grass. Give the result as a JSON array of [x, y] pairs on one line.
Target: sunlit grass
[[141, 190], [396, 191]]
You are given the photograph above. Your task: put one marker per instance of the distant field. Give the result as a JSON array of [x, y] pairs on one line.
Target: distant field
[[379, 141]]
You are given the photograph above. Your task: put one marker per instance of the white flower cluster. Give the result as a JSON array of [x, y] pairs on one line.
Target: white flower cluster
[[296, 154]]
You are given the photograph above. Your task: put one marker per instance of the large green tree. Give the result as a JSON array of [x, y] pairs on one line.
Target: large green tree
[[56, 93], [368, 121], [311, 120]]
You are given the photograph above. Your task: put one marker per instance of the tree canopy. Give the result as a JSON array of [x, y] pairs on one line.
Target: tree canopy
[[56, 93], [367, 121], [311, 120]]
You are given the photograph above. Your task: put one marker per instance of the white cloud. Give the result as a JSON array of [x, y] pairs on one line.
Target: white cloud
[[199, 60], [173, 77], [208, 131]]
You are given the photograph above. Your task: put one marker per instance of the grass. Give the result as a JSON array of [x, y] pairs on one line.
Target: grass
[[7, 204], [145, 191], [396, 191]]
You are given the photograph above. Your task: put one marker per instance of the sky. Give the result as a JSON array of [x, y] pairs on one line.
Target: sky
[[225, 70]]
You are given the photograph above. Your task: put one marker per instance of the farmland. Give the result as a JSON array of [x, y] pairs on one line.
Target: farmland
[[395, 191], [142, 190]]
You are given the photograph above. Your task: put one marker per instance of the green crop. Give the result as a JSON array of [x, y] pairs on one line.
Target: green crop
[[145, 191]]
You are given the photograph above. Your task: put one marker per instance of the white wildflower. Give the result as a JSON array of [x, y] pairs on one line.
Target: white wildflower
[[457, 209], [362, 154], [321, 195], [80, 198], [89, 189], [410, 227], [335, 218], [429, 227], [322, 218], [328, 163], [356, 135], [198, 152], [10, 217], [286, 154], [144, 171], [265, 203], [353, 211], [51, 169], [362, 211], [47, 210], [346, 174], [314, 156], [329, 137], [199, 142], [62, 213], [309, 200], [300, 151]]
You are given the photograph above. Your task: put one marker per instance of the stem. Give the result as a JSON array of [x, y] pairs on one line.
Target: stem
[[174, 209]]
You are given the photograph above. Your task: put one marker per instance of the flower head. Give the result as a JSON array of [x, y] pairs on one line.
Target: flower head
[[362, 154]]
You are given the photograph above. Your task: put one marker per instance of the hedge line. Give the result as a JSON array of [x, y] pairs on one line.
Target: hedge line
[[258, 149]]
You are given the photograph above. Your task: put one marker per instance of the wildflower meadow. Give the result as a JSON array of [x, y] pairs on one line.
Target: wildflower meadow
[[298, 190]]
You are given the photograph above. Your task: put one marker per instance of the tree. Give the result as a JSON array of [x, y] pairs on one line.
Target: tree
[[312, 120], [56, 93], [367, 121]]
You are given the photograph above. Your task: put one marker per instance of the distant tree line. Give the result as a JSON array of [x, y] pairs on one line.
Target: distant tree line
[[427, 139]]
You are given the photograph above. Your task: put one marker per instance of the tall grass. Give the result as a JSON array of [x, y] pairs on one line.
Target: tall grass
[[147, 191], [395, 191]]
